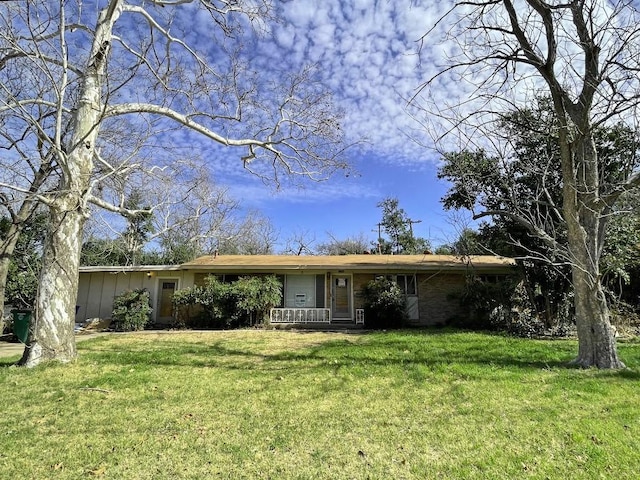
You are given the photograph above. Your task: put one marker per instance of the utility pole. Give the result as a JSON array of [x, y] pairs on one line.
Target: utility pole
[[396, 245], [411, 222]]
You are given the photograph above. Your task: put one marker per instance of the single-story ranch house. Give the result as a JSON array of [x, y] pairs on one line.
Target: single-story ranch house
[[316, 289]]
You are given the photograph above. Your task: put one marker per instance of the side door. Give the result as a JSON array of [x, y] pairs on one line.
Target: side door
[[164, 304]]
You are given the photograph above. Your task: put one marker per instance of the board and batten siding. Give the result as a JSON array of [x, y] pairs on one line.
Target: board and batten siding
[[96, 290]]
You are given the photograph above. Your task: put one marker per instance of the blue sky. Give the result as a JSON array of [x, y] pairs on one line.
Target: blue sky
[[374, 57], [347, 207], [366, 51]]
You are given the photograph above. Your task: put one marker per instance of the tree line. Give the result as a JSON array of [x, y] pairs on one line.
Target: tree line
[[198, 225]]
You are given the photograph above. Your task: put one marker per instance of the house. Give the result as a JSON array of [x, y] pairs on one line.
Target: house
[[316, 289]]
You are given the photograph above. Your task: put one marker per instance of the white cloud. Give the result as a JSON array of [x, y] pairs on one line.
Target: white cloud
[[300, 14], [367, 53], [254, 194], [285, 38]]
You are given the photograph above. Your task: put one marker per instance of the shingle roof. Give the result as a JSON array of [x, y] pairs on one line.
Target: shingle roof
[[351, 262]]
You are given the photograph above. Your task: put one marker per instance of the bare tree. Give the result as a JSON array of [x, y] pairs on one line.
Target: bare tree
[[249, 234], [586, 55], [189, 215], [20, 208], [26, 158], [176, 202], [300, 242], [190, 212], [136, 61]]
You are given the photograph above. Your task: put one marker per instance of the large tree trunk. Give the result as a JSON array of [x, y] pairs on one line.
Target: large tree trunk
[[585, 231], [52, 329], [4, 271], [596, 340], [52, 336]]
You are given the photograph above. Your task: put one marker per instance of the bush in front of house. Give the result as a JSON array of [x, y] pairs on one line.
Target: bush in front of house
[[131, 311], [208, 306], [186, 307], [505, 306], [256, 296], [487, 304], [218, 305], [217, 300], [384, 304]]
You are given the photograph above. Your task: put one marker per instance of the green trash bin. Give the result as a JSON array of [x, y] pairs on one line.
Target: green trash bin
[[21, 323]]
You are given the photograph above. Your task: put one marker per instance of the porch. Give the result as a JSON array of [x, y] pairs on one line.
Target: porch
[[312, 316]]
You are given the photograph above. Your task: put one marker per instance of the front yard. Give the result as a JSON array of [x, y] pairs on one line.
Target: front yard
[[281, 405]]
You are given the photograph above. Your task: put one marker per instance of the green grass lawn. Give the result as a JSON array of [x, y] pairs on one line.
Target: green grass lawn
[[281, 405]]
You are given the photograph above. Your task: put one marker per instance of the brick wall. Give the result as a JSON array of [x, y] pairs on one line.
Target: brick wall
[[438, 297], [359, 282]]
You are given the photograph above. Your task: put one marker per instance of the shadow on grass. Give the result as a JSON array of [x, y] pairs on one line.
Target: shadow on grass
[[435, 349], [431, 348], [441, 348], [628, 374]]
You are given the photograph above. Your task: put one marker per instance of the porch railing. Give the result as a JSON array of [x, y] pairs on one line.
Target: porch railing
[[300, 315]]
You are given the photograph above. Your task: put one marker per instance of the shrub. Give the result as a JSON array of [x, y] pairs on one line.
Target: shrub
[[218, 302], [207, 306], [186, 307], [384, 304], [505, 306], [488, 304], [625, 317], [227, 305], [131, 311], [256, 296]]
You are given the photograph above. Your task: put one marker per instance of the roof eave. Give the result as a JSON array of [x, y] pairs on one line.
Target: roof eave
[[131, 268]]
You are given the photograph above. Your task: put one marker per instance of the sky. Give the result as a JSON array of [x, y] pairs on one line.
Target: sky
[[366, 51], [373, 55]]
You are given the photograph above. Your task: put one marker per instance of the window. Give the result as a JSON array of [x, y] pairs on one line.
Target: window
[[406, 283], [299, 291]]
